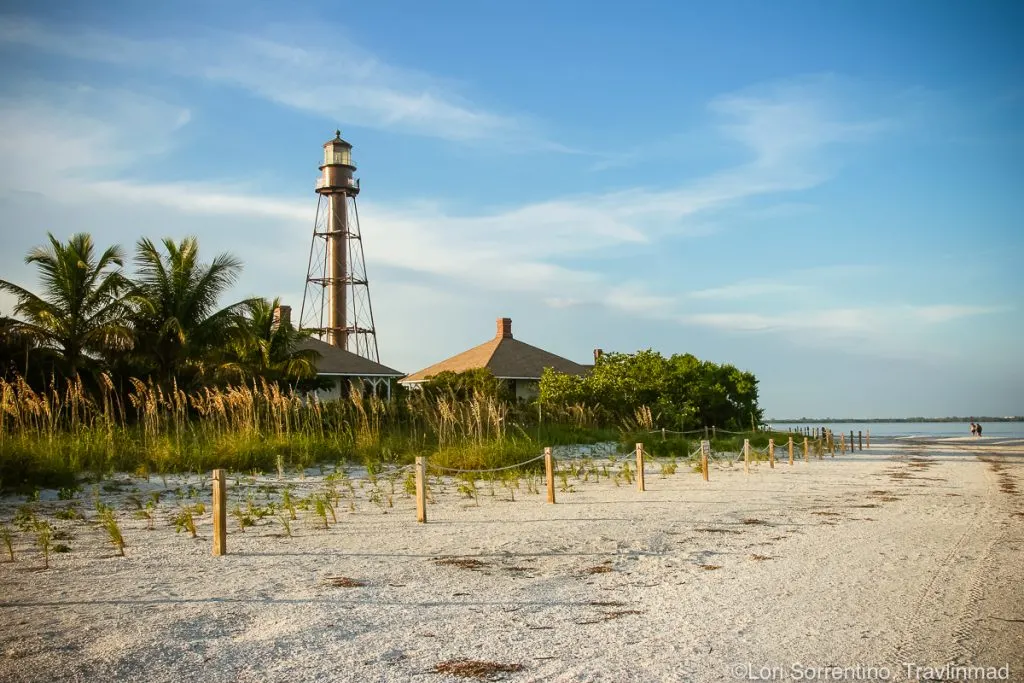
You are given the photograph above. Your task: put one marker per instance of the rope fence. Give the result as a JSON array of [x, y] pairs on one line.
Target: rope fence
[[646, 462], [673, 431], [485, 471]]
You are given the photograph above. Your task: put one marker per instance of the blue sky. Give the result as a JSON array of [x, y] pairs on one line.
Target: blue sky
[[827, 194]]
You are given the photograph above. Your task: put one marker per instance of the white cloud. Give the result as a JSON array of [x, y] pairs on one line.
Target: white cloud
[[896, 331], [750, 289], [792, 120], [946, 313], [328, 75], [54, 130]]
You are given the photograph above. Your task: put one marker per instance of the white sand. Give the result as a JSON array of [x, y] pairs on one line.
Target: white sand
[[839, 563]]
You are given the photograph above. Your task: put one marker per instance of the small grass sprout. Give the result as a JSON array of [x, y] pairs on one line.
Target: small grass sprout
[[44, 540], [109, 523], [68, 492], [320, 508], [184, 521], [8, 539], [68, 513], [147, 513], [244, 519], [468, 488], [286, 524], [25, 518], [288, 504]]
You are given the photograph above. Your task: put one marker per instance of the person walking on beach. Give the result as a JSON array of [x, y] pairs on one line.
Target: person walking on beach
[[977, 428], [974, 429]]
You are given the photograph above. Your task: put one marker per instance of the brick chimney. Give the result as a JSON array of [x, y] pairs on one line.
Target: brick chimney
[[504, 328], [597, 354], [282, 314]]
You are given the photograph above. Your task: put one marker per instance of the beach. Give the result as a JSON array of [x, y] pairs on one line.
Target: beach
[[904, 555]]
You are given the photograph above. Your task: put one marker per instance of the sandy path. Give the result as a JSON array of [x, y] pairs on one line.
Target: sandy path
[[904, 555]]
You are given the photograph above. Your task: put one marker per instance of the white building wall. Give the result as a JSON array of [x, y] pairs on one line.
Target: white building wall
[[332, 394], [341, 387], [526, 389]]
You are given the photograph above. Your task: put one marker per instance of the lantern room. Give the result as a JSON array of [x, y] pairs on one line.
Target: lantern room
[[338, 152], [337, 169]]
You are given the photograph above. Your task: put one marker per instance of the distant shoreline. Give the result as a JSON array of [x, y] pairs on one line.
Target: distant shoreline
[[893, 420]]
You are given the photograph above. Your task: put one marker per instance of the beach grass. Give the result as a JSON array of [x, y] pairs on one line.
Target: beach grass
[[51, 438], [56, 437]]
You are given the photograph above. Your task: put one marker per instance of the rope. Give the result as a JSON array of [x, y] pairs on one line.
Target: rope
[[672, 431], [493, 469]]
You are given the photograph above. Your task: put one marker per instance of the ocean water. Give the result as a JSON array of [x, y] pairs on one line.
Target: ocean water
[[1002, 430]]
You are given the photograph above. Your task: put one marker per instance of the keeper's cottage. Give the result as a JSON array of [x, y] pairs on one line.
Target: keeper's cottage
[[517, 363]]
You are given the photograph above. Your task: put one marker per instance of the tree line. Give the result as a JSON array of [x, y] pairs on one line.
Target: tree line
[[162, 320]]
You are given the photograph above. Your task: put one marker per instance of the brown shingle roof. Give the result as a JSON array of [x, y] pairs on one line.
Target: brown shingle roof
[[335, 361], [505, 357]]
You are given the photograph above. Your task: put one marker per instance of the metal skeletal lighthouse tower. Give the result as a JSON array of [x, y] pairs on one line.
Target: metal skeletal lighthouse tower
[[336, 304]]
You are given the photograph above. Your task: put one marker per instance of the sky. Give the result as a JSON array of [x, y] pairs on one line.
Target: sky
[[829, 195]]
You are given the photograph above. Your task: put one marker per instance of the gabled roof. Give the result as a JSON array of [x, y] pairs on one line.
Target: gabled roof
[[335, 361], [505, 357]]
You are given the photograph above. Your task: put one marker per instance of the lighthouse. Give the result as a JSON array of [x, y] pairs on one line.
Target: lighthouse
[[336, 305]]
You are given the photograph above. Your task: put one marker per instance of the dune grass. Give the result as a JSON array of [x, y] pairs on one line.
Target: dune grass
[[51, 438]]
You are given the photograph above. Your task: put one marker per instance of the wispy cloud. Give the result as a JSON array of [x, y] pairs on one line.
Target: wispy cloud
[[72, 129], [746, 290], [896, 330], [306, 76], [792, 121]]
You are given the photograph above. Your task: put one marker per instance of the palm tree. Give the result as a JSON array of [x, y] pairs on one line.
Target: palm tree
[[263, 346], [177, 322], [81, 310]]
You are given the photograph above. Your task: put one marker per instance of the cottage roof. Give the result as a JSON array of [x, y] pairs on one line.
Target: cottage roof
[[335, 361], [504, 356]]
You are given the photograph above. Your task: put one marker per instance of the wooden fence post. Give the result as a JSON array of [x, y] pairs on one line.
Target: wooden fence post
[[705, 448], [746, 456], [549, 471], [791, 450], [842, 444], [869, 438], [771, 453], [705, 432], [640, 467], [220, 513], [832, 443], [851, 441], [421, 489], [860, 440], [807, 452]]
